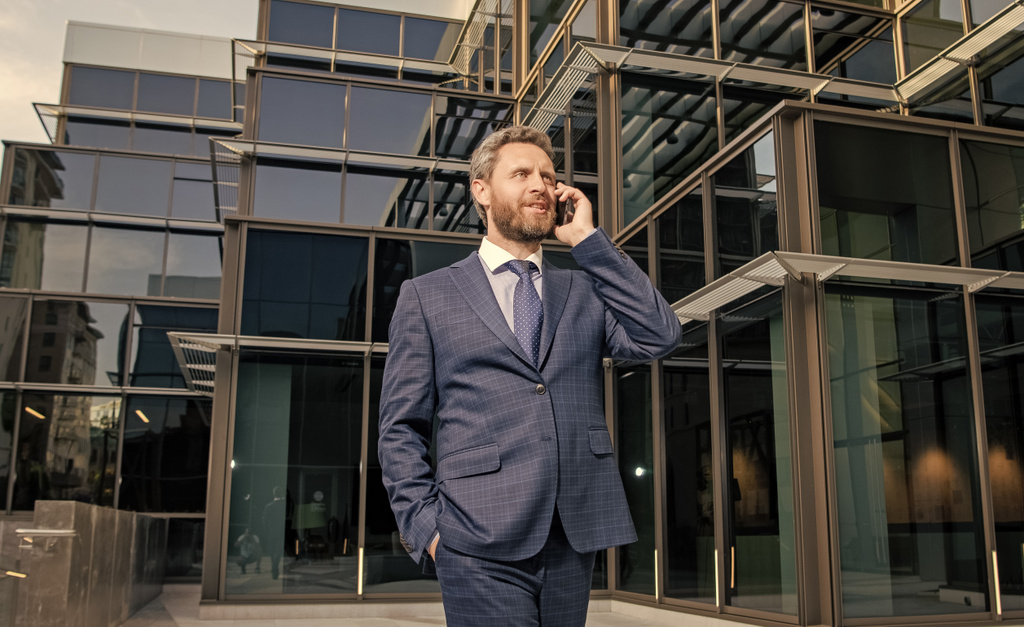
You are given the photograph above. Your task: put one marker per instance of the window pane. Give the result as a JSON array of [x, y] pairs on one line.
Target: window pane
[[545, 16], [108, 89], [297, 190], [379, 197], [430, 39], [153, 362], [46, 178], [364, 31], [743, 105], [166, 94], [298, 23], [76, 342], [381, 120], [930, 28], [681, 247], [993, 179], [193, 265], [193, 192], [635, 453], [8, 413], [125, 261], [764, 32], [13, 311], [910, 533], [454, 210], [302, 112], [746, 207], [163, 138], [462, 123], [884, 194], [166, 449], [761, 563], [304, 285], [201, 145], [295, 480], [680, 27], [133, 186], [689, 472], [43, 255], [841, 47], [399, 260], [97, 133], [67, 449], [214, 99], [669, 128], [1002, 88]]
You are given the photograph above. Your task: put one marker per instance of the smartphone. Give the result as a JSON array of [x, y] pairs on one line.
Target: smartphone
[[564, 212]]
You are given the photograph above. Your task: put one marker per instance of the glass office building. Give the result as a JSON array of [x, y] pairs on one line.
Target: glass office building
[[197, 277]]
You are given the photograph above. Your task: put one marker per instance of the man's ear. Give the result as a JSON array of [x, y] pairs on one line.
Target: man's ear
[[481, 192]]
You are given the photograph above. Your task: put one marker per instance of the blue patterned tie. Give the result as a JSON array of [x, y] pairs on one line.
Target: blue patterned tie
[[527, 312]]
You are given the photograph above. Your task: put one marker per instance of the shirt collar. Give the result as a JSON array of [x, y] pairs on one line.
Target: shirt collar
[[495, 256]]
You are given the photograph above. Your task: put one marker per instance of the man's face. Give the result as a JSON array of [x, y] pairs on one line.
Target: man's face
[[520, 195]]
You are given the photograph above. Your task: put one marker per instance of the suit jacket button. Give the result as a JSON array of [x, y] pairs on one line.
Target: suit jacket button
[[541, 389]]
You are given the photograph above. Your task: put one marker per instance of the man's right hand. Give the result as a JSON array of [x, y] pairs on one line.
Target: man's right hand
[[433, 547]]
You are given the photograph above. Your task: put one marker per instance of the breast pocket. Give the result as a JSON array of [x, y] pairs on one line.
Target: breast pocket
[[600, 441], [469, 462]]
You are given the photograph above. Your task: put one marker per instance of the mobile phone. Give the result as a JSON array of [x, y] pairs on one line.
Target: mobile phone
[[564, 212]]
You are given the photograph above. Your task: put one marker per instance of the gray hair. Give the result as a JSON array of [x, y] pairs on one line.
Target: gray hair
[[485, 157]]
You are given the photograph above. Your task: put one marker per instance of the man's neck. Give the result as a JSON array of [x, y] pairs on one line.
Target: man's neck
[[519, 250]]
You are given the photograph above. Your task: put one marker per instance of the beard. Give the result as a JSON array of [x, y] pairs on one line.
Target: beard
[[517, 226]]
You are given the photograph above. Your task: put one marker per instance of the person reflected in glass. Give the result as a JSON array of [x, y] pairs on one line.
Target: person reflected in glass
[[507, 351], [275, 516], [249, 550]]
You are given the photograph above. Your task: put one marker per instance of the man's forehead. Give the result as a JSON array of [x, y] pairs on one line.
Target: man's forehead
[[518, 152]]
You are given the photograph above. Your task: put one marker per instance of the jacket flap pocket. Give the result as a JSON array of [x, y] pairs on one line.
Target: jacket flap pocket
[[600, 442], [473, 461]]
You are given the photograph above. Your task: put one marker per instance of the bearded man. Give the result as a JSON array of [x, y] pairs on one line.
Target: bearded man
[[503, 352]]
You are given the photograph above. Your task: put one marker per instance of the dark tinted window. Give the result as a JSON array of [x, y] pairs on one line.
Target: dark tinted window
[[214, 99], [364, 31], [929, 28], [841, 47], [462, 123], [746, 207], [97, 133], [304, 285], [45, 178], [88, 345], [193, 265], [166, 94], [163, 138], [12, 330], [297, 23], [192, 192], [153, 361], [681, 27], [125, 261], [302, 112], [41, 254], [133, 186], [94, 87], [993, 177], [764, 32], [453, 207], [378, 196], [381, 120], [429, 39], [681, 247], [297, 190]]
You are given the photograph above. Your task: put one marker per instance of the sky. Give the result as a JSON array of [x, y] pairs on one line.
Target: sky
[[32, 44]]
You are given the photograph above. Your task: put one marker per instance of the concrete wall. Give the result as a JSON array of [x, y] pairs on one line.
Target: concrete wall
[[112, 567]]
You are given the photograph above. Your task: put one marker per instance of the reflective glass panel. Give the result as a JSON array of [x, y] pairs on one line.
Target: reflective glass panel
[[583, 122], [125, 261], [193, 265], [948, 102], [97, 133], [76, 342], [387, 564], [382, 120], [853, 46], [399, 260], [67, 449], [761, 563], [168, 139], [429, 39], [166, 94], [301, 112], [184, 550], [910, 538], [295, 480], [1002, 86], [635, 454], [192, 192], [379, 197], [133, 186], [297, 190], [983, 10], [930, 28], [1001, 331], [764, 32], [884, 194], [214, 99], [166, 451], [305, 285], [636, 247], [746, 207], [8, 412], [40, 254], [681, 247], [365, 31], [669, 128], [677, 26], [689, 472], [545, 16], [299, 23], [462, 123], [993, 180], [454, 210], [744, 105], [201, 145], [153, 362], [47, 178], [107, 89], [13, 311]]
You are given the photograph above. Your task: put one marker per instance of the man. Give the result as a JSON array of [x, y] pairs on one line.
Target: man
[[275, 528], [526, 489]]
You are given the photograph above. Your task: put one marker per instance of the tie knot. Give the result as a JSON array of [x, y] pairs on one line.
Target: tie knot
[[522, 268]]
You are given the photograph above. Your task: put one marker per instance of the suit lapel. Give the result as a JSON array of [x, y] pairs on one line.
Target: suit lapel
[[556, 292], [468, 276]]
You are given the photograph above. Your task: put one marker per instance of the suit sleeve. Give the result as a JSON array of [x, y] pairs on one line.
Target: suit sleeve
[[639, 324], [407, 406]]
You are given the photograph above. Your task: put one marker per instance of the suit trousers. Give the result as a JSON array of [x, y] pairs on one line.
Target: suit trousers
[[550, 589]]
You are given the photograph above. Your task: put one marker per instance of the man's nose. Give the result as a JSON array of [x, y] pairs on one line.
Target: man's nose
[[536, 182]]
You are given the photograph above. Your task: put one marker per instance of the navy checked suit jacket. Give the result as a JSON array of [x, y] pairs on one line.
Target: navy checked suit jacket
[[513, 439]]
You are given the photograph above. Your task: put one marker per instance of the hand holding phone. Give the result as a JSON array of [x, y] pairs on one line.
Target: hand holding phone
[[564, 212]]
